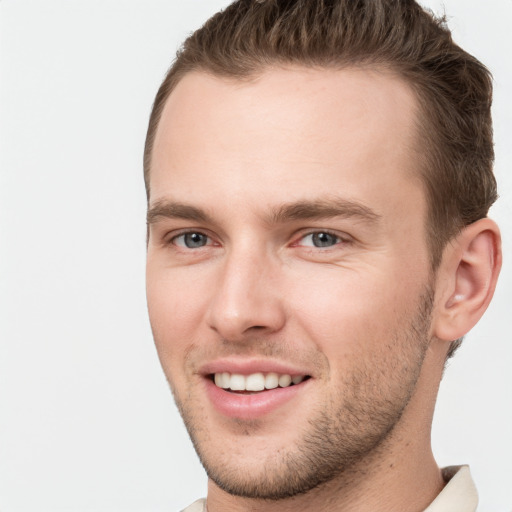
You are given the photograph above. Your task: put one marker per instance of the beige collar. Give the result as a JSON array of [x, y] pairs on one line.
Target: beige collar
[[197, 506], [459, 493]]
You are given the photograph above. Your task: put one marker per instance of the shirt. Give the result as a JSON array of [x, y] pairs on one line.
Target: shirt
[[458, 494]]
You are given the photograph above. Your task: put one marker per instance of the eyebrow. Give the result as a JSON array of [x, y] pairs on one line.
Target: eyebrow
[[297, 210], [323, 209], [176, 210]]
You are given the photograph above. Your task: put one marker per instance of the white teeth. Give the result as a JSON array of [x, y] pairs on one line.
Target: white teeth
[[237, 382], [271, 381], [255, 381], [225, 380], [285, 381]]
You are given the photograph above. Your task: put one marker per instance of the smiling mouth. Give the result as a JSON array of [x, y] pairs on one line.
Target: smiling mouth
[[255, 382]]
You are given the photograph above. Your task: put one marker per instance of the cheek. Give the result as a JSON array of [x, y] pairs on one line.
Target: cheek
[[350, 312], [176, 308]]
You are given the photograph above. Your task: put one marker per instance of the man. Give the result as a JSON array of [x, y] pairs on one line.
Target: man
[[318, 177]]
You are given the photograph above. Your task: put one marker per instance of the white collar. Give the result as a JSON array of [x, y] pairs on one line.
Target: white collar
[[459, 493]]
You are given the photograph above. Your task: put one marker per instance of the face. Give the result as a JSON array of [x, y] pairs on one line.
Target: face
[[288, 271]]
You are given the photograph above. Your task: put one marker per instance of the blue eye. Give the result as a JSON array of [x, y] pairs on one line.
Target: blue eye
[[191, 240], [320, 239]]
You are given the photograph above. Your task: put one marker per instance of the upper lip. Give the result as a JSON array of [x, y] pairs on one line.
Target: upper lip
[[250, 366]]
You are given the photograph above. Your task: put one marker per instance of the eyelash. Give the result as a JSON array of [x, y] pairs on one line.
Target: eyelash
[[174, 238], [338, 239]]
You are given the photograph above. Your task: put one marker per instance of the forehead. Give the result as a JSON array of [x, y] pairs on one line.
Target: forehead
[[286, 133]]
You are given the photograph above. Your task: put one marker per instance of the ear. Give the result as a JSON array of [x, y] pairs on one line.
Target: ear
[[466, 279]]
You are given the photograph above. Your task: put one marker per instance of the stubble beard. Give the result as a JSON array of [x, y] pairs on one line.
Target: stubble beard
[[343, 432]]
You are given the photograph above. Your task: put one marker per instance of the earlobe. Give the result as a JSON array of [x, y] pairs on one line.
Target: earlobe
[[469, 271]]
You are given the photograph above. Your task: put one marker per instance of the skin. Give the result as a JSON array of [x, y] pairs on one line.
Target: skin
[[365, 317]]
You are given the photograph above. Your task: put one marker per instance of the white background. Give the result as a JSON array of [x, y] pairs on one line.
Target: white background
[[86, 420]]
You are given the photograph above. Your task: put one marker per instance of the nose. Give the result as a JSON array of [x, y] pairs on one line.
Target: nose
[[246, 301]]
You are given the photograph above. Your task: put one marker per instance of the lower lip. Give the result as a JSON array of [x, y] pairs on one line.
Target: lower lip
[[250, 407]]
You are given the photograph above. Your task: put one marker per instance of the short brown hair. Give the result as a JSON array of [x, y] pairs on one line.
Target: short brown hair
[[453, 88]]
